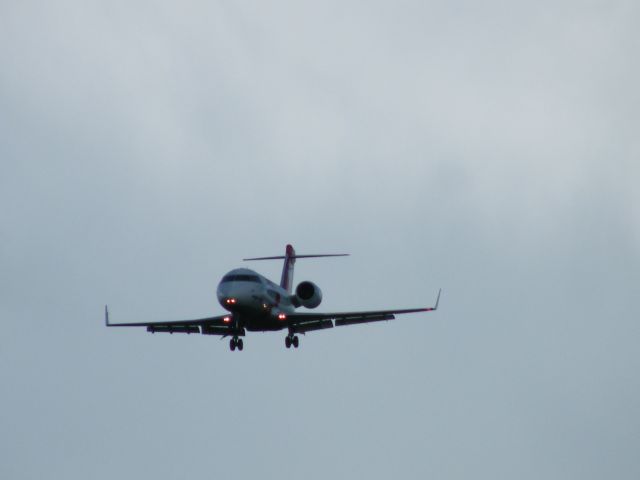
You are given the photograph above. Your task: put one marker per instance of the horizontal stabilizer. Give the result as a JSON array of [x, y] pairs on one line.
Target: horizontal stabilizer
[[282, 257]]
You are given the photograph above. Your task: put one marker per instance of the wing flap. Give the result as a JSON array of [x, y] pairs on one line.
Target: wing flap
[[173, 328], [299, 320], [208, 326], [310, 326], [221, 330], [340, 322]]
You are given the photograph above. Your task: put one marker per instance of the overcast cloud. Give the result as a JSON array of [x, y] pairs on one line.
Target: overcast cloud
[[487, 148]]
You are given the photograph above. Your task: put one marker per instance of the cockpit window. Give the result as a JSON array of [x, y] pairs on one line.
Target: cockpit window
[[241, 278]]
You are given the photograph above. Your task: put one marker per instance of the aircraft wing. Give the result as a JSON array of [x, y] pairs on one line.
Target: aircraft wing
[[218, 325], [303, 322]]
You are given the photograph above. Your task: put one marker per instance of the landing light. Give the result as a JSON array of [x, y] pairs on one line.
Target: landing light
[[226, 319], [230, 301], [282, 316]]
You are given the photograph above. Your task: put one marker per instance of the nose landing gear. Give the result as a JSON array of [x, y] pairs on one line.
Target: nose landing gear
[[236, 342], [291, 340]]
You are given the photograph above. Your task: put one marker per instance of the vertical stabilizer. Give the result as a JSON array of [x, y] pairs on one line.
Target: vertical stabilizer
[[286, 281]]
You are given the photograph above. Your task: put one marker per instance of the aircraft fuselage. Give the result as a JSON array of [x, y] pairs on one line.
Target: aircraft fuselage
[[254, 301]]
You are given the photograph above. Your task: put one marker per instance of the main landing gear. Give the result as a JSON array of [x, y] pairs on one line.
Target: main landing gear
[[236, 342], [291, 340]]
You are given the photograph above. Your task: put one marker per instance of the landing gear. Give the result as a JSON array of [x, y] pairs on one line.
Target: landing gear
[[236, 342], [291, 340]]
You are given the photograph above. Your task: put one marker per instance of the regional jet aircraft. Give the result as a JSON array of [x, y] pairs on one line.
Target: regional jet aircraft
[[256, 304]]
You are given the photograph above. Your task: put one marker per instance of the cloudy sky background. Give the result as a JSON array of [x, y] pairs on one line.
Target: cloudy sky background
[[490, 149]]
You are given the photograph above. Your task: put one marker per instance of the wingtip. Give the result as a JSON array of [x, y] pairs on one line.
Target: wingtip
[[106, 316], [438, 299]]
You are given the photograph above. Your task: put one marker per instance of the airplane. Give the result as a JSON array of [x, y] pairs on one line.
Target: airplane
[[256, 304]]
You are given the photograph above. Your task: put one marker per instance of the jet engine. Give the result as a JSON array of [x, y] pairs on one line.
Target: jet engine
[[308, 294]]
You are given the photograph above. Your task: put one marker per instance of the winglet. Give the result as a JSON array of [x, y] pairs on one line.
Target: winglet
[[106, 316], [437, 299]]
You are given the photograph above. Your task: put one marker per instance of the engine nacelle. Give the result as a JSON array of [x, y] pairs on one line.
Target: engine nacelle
[[308, 294]]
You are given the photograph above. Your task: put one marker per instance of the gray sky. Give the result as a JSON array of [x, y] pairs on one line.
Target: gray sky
[[489, 149]]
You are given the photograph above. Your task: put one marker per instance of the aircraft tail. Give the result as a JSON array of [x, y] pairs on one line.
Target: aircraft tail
[[286, 280]]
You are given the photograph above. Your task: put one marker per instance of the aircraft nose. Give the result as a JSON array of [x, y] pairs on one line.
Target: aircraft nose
[[230, 297], [223, 294]]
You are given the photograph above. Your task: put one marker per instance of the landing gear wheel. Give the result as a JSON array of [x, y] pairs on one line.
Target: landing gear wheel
[[295, 341], [287, 342], [240, 344], [232, 344]]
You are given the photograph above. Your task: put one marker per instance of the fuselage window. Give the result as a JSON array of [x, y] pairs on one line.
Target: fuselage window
[[241, 278]]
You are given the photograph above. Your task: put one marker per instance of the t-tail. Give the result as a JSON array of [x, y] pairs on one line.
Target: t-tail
[[290, 256]]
